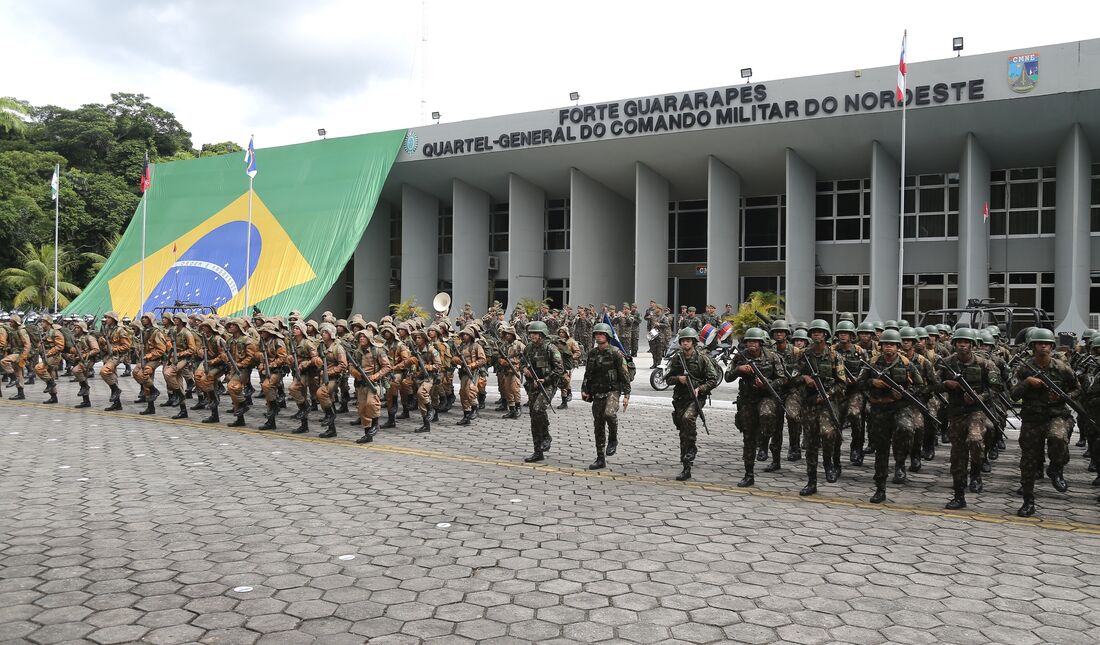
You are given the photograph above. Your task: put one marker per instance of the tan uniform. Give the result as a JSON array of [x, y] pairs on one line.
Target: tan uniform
[[374, 364], [207, 375], [119, 342], [244, 353], [53, 342], [425, 359], [88, 348], [400, 359], [187, 348], [279, 361], [472, 382], [337, 360], [305, 352], [507, 377], [154, 351]]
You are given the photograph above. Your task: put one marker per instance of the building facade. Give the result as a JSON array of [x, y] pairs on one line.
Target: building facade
[[791, 186]]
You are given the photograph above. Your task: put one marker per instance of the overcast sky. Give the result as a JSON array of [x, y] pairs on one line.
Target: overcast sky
[[283, 68]]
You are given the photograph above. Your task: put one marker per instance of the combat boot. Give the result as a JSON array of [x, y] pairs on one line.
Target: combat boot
[[762, 453], [238, 422], [899, 473], [19, 395], [533, 457], [53, 397], [330, 429], [141, 397], [774, 465], [182, 414], [404, 410], [502, 405], [975, 485], [811, 485], [302, 407], [481, 400], [958, 501], [830, 471], [794, 454], [303, 426], [612, 443], [512, 413], [170, 402], [1058, 480], [84, 403], [150, 406], [987, 467], [355, 422], [214, 417], [685, 474], [465, 420], [343, 409], [564, 404], [116, 396], [190, 393], [879, 496], [272, 412], [599, 464], [749, 479], [426, 426], [391, 420], [1028, 507], [435, 415], [202, 403], [914, 464]]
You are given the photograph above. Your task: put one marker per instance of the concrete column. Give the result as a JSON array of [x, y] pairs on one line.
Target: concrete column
[[526, 224], [651, 235], [371, 266], [801, 232], [973, 229], [723, 234], [336, 301], [601, 258], [885, 201], [419, 245], [1072, 253], [470, 260]]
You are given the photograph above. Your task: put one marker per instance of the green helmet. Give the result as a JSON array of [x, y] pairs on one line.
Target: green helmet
[[755, 333], [986, 337], [538, 327], [846, 325], [801, 333], [994, 330], [1040, 335], [908, 333], [800, 325], [922, 333], [820, 325], [890, 336], [865, 326], [963, 333], [1095, 342], [688, 332], [944, 328], [931, 330], [903, 323], [878, 325], [1089, 333], [846, 315], [891, 324], [780, 325], [602, 328]]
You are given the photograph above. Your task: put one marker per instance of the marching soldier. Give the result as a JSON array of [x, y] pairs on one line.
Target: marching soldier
[[913, 348], [304, 353], [757, 410], [442, 388], [851, 406], [605, 378], [691, 321], [333, 362], [470, 360], [570, 358], [582, 330], [214, 359], [185, 347], [51, 345], [85, 354], [694, 376], [1045, 418], [154, 348], [372, 365], [508, 372], [543, 370], [424, 375], [792, 398], [400, 359], [117, 342], [817, 418], [635, 329], [968, 423], [244, 353], [347, 339], [278, 361], [663, 324], [894, 418]]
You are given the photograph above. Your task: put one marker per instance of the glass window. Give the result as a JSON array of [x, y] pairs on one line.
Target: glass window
[[931, 211], [927, 291], [835, 294], [445, 231], [498, 229], [557, 225], [1021, 204], [687, 231], [843, 211], [557, 292], [763, 229]]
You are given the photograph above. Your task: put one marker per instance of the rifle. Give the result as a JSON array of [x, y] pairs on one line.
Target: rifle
[[819, 385], [420, 361], [141, 349], [324, 362], [1060, 393], [175, 350], [526, 364], [267, 363], [294, 360], [969, 391], [767, 320], [355, 361], [205, 356], [694, 397], [462, 360], [893, 385], [741, 359], [229, 358]]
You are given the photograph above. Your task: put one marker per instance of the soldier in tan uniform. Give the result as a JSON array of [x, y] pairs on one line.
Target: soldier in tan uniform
[[400, 359], [184, 347], [570, 358], [470, 360], [117, 343], [278, 361], [372, 371], [153, 351], [85, 354], [244, 354], [304, 353], [52, 348], [424, 374], [334, 368], [210, 371], [508, 363]]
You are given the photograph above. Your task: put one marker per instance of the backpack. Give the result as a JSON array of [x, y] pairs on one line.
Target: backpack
[[631, 369], [70, 340]]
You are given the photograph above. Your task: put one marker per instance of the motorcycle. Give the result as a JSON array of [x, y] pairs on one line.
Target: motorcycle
[[719, 353]]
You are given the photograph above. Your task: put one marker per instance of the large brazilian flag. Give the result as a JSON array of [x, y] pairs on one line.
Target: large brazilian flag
[[310, 206]]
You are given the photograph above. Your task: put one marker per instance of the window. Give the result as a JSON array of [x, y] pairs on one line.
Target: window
[[557, 225], [765, 283], [557, 291], [1095, 224], [764, 229], [687, 231], [498, 229], [443, 285], [843, 211], [932, 207], [499, 291], [1024, 198], [445, 233], [926, 291], [395, 255], [835, 294], [1023, 289]]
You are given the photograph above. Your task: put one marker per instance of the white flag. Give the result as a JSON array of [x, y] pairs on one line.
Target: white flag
[[55, 182]]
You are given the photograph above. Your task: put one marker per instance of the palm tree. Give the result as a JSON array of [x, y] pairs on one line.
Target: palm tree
[[765, 303], [13, 115], [33, 282], [98, 260]]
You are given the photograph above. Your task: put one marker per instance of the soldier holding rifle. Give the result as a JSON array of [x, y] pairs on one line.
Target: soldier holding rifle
[[52, 347], [470, 359], [371, 369], [507, 369], [694, 376], [824, 378], [760, 371], [153, 350], [306, 365], [606, 377], [244, 353], [185, 348], [425, 371], [85, 354], [214, 359], [334, 366], [276, 362], [543, 369]]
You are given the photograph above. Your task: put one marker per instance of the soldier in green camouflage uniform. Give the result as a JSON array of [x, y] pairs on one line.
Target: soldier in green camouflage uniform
[[792, 398], [1090, 398], [582, 330], [689, 367], [542, 364], [1046, 419], [663, 324], [757, 410], [851, 406], [605, 379], [895, 418], [817, 422]]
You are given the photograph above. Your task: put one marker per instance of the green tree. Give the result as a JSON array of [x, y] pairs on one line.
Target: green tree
[[33, 281], [407, 309], [97, 260], [530, 305], [765, 303], [13, 114], [136, 118], [223, 148]]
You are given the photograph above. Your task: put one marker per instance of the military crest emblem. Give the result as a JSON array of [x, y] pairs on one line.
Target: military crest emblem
[[1023, 72]]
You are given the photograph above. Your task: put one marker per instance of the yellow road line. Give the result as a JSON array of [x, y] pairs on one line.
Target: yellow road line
[[1084, 528]]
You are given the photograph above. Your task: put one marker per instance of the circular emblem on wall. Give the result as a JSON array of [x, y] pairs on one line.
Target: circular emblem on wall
[[410, 142]]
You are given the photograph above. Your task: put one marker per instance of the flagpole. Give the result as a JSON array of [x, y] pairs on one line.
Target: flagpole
[[901, 208], [56, 228], [144, 212], [248, 247]]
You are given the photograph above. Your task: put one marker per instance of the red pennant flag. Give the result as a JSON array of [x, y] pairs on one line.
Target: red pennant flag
[[146, 174], [173, 248], [985, 212]]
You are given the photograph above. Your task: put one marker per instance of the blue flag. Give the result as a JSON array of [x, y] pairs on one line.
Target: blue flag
[[614, 335], [250, 159]]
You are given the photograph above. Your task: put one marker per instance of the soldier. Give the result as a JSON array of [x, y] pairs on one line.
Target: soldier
[[570, 358], [16, 354], [582, 331], [1090, 399], [277, 362], [424, 375], [710, 316], [817, 419], [371, 365], [303, 352], [894, 418], [543, 370], [757, 410], [605, 379], [243, 353], [925, 357], [153, 350], [333, 363], [851, 406], [792, 399], [85, 354], [508, 372], [51, 347], [691, 321], [1045, 418], [663, 324], [442, 387], [471, 361], [184, 348], [347, 339], [214, 360], [116, 344], [399, 360], [694, 376], [968, 423]]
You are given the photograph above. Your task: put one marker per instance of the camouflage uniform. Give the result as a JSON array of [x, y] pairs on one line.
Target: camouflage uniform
[[817, 423], [544, 359], [684, 413], [757, 410], [1045, 421], [895, 418], [605, 379], [967, 423]]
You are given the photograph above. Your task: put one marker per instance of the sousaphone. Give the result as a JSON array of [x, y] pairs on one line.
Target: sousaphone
[[441, 302]]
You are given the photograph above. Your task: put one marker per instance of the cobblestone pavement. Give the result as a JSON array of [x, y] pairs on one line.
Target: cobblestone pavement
[[116, 528]]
